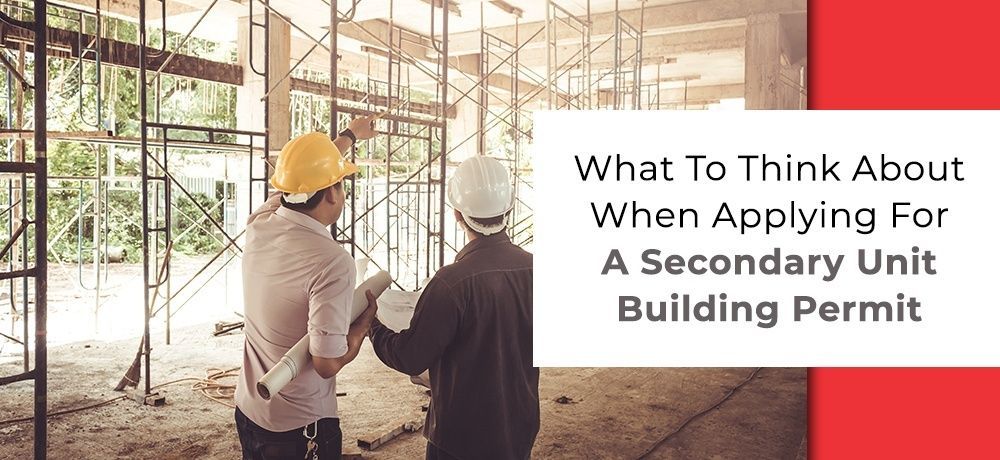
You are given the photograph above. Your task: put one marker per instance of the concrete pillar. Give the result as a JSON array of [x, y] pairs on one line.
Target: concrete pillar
[[249, 106], [762, 61], [467, 121]]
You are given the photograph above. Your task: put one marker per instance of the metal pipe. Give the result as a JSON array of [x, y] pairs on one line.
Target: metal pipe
[[443, 160], [548, 52], [14, 72], [250, 26], [22, 197], [588, 37], [334, 20], [144, 165], [168, 230], [388, 145], [267, 113], [41, 229], [333, 68]]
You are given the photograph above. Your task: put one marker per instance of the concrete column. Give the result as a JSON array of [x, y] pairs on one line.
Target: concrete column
[[467, 120], [762, 61], [249, 106]]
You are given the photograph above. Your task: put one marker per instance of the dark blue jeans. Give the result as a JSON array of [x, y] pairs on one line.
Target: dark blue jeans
[[261, 444]]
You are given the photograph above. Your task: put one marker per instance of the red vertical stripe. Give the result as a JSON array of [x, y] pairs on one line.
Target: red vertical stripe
[[894, 54]]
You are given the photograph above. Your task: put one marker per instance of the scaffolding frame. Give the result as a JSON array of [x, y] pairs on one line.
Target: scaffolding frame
[[576, 82], [397, 211], [577, 67], [499, 55], [37, 168], [156, 145], [400, 130]]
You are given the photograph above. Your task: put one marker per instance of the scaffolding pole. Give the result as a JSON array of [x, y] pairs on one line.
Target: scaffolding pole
[[36, 227]]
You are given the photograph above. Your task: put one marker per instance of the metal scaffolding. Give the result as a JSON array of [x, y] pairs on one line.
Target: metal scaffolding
[[576, 81], [25, 271], [396, 215], [504, 135], [574, 69]]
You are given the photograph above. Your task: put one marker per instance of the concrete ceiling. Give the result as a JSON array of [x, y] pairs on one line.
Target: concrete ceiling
[[703, 38], [413, 15]]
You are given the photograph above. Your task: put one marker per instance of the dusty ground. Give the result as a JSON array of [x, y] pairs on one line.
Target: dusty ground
[[615, 413], [611, 413]]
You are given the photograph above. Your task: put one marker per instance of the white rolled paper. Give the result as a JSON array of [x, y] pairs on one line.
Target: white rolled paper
[[298, 356]]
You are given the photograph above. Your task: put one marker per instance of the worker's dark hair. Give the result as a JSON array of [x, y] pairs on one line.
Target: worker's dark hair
[[485, 221], [312, 202]]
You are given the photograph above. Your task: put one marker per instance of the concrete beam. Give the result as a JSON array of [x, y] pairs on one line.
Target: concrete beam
[[658, 19], [694, 95], [657, 46], [66, 44], [373, 32], [376, 32], [129, 9]]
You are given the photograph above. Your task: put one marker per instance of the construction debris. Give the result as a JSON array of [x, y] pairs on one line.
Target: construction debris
[[565, 400], [388, 433]]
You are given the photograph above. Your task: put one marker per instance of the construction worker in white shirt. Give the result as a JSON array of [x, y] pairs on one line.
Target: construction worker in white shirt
[[298, 280]]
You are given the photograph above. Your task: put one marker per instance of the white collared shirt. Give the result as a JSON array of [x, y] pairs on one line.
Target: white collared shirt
[[296, 280]]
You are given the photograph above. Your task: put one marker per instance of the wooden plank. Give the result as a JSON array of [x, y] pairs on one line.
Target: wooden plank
[[452, 6], [373, 440], [508, 8], [66, 44], [17, 167], [389, 432]]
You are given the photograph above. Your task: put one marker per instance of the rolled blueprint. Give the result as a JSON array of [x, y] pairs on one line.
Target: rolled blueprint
[[298, 356]]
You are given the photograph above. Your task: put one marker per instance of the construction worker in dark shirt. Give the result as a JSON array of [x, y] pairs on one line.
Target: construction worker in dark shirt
[[471, 329]]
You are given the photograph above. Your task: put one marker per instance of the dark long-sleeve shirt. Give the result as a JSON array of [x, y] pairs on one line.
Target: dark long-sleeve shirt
[[472, 329]]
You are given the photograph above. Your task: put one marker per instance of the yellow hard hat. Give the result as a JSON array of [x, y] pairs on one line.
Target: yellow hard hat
[[309, 163]]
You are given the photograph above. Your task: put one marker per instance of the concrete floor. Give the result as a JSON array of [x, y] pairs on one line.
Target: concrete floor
[[613, 413]]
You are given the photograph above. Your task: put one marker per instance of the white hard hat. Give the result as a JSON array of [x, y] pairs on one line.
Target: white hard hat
[[480, 188]]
